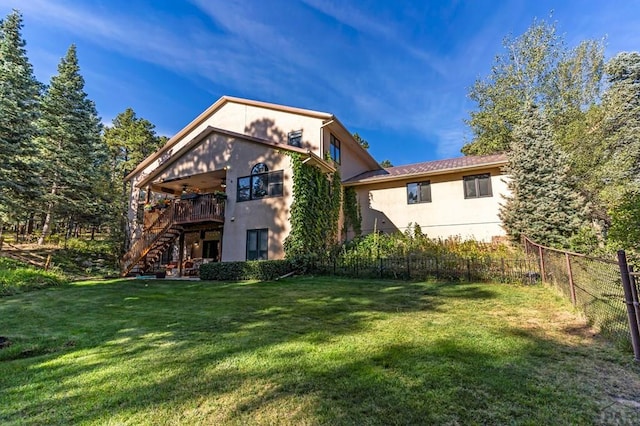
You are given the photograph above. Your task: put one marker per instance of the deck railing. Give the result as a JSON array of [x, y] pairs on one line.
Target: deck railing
[[203, 208]]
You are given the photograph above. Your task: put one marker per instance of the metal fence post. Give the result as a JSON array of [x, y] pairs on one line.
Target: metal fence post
[[634, 295], [631, 307], [572, 288]]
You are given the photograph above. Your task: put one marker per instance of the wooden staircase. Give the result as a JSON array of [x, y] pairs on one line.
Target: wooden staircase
[[164, 230], [154, 240]]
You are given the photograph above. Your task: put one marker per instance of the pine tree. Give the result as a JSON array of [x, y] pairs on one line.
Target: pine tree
[[19, 93], [72, 149], [543, 204], [130, 140]]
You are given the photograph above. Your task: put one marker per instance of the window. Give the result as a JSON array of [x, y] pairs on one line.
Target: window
[[419, 192], [257, 244], [477, 186], [334, 149], [260, 184], [295, 138]]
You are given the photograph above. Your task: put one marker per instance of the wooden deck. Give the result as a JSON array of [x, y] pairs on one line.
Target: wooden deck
[[204, 208]]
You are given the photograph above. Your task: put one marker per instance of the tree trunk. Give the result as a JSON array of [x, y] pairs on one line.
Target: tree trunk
[[30, 224], [46, 227]]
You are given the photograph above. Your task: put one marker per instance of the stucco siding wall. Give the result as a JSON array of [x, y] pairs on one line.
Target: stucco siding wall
[[268, 124], [255, 121], [237, 157], [216, 152], [385, 207], [352, 162]]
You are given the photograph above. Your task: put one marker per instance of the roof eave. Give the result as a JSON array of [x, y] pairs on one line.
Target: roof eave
[[406, 176], [206, 113]]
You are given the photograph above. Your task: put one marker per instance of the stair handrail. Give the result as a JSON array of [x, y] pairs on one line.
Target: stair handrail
[[149, 235]]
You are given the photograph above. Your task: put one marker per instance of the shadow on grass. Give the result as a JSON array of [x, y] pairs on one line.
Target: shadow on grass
[[249, 352]]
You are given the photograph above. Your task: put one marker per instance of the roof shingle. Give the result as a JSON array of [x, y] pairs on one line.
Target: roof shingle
[[449, 164]]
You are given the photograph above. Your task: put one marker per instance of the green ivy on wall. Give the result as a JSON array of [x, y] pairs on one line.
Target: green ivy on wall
[[351, 212], [314, 211]]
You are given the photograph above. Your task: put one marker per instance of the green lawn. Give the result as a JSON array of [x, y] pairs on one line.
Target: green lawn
[[307, 351]]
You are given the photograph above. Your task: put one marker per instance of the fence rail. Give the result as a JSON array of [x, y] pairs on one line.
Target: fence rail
[[593, 285], [419, 266]]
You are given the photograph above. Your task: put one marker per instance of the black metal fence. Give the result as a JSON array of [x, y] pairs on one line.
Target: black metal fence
[[593, 285], [420, 266]]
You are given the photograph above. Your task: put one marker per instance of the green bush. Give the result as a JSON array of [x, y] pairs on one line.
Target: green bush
[[249, 270], [16, 277]]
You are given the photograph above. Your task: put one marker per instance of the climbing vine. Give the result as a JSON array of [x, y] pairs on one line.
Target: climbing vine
[[351, 212], [314, 211]]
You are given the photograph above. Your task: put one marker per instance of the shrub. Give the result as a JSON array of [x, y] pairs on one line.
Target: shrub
[[16, 277], [249, 270]]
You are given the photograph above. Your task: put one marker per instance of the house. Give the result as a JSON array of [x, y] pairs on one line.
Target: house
[[221, 188]]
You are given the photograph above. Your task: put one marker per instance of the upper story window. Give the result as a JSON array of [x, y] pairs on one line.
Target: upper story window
[[334, 149], [477, 186], [260, 184], [294, 138], [419, 192]]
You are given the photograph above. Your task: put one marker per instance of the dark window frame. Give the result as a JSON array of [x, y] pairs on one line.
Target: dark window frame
[[264, 184], [477, 188], [257, 253], [419, 194], [335, 148], [294, 138]]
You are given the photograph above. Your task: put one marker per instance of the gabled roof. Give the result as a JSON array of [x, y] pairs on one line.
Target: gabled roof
[[428, 168], [212, 109], [309, 156]]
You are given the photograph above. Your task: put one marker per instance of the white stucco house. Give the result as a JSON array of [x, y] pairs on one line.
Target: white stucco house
[[221, 188]]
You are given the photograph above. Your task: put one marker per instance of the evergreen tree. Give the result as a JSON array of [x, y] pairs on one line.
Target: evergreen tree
[[71, 146], [542, 205], [130, 140], [363, 142], [19, 93]]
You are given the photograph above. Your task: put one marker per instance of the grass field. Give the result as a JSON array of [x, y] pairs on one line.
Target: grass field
[[306, 351]]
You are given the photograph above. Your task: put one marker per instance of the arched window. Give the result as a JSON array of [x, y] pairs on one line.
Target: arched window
[[261, 183], [259, 168]]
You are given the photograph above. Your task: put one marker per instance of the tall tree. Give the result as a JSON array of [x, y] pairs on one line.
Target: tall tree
[[71, 145], [363, 142], [620, 173], [542, 205], [537, 68], [19, 93], [130, 140]]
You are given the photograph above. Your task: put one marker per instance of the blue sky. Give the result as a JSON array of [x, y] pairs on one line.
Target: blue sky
[[396, 72]]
